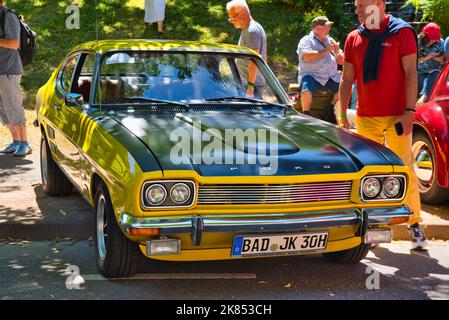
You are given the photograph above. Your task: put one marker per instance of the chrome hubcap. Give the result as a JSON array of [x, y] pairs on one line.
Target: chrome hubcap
[[101, 227], [424, 165], [44, 164]]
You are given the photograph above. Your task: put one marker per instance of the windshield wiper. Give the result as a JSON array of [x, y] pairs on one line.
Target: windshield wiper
[[169, 102], [284, 106]]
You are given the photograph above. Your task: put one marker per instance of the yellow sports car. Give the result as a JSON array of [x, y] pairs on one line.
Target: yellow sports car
[[192, 151]]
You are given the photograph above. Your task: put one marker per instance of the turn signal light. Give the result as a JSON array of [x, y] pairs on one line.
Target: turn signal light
[[141, 232], [398, 220]]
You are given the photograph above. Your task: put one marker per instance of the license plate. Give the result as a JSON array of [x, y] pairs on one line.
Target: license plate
[[279, 244]]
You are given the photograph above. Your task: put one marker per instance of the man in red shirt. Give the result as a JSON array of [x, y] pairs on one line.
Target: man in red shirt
[[382, 57]]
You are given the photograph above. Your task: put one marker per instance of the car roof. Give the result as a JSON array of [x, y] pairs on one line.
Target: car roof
[[101, 46]]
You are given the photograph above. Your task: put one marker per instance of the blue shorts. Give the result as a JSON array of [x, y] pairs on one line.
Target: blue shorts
[[308, 83]]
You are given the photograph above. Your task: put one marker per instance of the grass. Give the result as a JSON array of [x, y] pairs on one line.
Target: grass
[[202, 20]]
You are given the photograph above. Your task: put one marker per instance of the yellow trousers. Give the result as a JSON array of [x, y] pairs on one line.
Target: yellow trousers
[[381, 130]]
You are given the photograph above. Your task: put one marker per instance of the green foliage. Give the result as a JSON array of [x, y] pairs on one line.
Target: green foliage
[[333, 9], [434, 10]]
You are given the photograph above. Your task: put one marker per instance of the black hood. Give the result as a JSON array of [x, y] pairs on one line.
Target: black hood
[[299, 144]]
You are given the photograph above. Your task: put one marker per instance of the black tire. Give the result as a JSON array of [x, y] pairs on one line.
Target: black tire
[[349, 256], [119, 257], [429, 189], [54, 181]]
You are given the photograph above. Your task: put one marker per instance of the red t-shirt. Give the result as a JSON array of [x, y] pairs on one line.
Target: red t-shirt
[[385, 96]]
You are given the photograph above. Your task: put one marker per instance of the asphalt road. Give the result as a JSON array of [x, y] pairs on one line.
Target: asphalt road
[[38, 270]]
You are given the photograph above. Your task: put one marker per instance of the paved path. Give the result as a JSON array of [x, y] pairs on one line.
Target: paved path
[[38, 270]]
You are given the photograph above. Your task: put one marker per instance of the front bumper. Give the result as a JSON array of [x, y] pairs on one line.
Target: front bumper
[[283, 222]]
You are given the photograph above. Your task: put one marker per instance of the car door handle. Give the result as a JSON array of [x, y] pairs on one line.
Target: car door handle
[[57, 107]]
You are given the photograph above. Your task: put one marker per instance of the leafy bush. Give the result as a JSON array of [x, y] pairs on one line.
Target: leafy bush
[[333, 9], [434, 10]]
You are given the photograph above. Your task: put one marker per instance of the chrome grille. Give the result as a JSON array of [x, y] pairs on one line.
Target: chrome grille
[[275, 193]]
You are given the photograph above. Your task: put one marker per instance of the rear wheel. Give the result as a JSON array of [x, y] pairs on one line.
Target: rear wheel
[[116, 255], [426, 168], [54, 181], [348, 256]]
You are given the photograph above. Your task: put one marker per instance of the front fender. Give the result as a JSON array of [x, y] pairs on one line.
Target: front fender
[[119, 159], [433, 120]]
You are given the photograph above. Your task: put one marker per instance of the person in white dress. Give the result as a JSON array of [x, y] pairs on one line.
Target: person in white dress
[[155, 12]]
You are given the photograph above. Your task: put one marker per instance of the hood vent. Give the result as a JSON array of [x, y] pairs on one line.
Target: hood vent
[[172, 110]]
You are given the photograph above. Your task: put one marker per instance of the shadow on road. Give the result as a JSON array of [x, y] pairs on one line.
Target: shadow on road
[[10, 166], [40, 269], [62, 206], [417, 270], [26, 216]]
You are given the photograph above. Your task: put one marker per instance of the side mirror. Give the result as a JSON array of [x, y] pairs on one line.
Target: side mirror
[[74, 100]]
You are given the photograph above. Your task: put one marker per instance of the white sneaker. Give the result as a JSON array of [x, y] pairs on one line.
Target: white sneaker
[[418, 237]]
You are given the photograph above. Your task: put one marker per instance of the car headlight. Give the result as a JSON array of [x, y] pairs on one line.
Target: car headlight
[[371, 187], [165, 194], [391, 187], [180, 193], [156, 194]]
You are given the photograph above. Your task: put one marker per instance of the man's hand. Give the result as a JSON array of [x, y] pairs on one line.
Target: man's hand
[[439, 60], [428, 57], [250, 92], [407, 122], [344, 123], [335, 47], [329, 48]]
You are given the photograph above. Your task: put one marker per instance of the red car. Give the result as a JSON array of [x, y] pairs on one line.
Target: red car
[[431, 143]]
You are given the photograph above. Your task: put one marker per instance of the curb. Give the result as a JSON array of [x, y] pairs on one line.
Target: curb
[[432, 231]]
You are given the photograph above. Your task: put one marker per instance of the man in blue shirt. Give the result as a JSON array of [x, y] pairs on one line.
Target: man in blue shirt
[[319, 56]]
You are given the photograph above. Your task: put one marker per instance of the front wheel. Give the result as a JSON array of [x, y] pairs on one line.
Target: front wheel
[[349, 256], [116, 255]]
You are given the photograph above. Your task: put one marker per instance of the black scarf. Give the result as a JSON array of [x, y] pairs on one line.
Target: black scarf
[[373, 55]]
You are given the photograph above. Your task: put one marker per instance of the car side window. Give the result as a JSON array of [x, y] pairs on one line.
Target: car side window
[[68, 72], [82, 80], [87, 68]]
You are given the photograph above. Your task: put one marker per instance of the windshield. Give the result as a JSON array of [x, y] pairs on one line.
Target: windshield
[[138, 77]]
